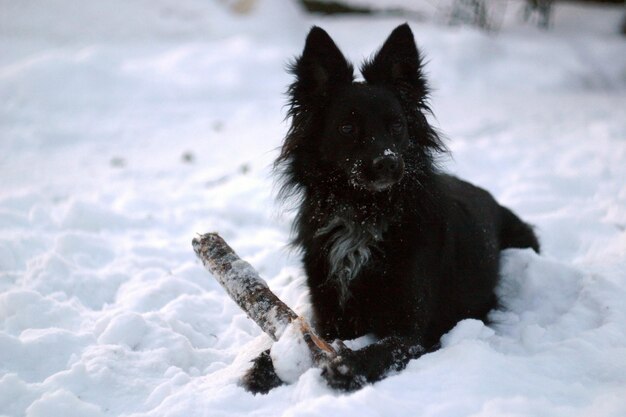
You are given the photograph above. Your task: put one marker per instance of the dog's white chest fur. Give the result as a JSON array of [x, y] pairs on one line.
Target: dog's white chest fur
[[349, 245]]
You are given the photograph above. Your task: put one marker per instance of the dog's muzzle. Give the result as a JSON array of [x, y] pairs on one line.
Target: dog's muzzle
[[384, 172]]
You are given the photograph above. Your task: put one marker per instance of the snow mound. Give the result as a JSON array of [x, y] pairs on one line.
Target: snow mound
[[291, 355]]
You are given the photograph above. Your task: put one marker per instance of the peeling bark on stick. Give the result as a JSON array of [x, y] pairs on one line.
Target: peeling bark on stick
[[251, 293]]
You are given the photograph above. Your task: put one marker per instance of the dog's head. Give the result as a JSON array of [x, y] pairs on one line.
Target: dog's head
[[362, 135]]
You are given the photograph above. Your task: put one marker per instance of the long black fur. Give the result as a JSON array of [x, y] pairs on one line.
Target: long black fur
[[391, 246]]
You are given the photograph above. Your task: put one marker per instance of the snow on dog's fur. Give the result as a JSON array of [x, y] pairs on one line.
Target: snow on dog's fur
[[391, 246]]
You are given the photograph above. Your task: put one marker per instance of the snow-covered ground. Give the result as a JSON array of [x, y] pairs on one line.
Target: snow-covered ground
[[126, 127]]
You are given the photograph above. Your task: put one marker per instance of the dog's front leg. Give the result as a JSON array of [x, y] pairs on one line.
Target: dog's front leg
[[261, 377], [350, 370]]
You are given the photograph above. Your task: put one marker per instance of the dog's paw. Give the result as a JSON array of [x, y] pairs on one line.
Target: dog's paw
[[342, 372], [261, 377]]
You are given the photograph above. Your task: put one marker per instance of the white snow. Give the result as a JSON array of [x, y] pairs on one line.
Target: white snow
[[290, 354], [127, 127]]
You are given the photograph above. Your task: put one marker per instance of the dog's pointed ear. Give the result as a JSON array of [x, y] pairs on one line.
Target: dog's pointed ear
[[321, 66], [398, 60]]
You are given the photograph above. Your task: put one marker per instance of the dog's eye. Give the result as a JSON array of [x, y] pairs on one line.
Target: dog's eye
[[346, 128], [396, 127]]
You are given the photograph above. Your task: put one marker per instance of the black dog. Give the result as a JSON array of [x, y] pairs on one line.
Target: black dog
[[390, 245]]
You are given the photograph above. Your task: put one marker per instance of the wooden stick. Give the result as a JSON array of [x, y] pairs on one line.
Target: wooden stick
[[251, 293]]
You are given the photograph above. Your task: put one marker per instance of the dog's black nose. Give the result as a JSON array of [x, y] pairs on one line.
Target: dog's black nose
[[384, 171], [386, 166]]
